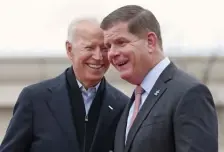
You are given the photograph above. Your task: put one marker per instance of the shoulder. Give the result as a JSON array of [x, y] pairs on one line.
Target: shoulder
[[185, 82], [36, 92], [183, 86], [190, 89], [42, 87]]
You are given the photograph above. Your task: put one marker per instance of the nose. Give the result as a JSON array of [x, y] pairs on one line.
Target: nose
[[97, 55]]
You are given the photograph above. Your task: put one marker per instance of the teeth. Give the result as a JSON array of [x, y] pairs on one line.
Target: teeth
[[94, 66], [121, 63]]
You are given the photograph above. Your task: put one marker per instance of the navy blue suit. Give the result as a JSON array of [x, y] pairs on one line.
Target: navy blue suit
[[42, 120]]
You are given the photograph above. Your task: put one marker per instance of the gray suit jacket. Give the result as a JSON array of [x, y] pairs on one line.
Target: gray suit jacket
[[180, 118], [42, 120]]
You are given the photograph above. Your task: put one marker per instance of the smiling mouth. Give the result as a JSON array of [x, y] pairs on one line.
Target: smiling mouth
[[121, 63], [95, 66]]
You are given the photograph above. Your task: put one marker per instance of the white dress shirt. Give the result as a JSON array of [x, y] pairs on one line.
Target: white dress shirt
[[147, 84], [88, 95]]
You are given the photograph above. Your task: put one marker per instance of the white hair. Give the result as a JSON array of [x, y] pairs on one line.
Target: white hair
[[75, 22]]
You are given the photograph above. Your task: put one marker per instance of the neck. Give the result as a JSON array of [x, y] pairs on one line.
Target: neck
[[157, 61], [86, 83]]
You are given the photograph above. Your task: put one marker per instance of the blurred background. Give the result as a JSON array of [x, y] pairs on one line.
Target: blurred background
[[33, 34]]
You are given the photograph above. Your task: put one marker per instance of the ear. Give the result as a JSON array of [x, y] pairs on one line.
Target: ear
[[68, 46], [152, 40]]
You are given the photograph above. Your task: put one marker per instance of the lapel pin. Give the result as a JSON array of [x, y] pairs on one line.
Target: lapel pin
[[157, 92], [111, 107]]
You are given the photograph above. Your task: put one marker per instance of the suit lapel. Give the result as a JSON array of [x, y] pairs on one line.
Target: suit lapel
[[60, 107], [108, 112], [121, 128], [146, 108], [157, 91]]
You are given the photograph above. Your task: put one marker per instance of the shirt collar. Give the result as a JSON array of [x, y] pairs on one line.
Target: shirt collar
[[81, 86], [152, 76]]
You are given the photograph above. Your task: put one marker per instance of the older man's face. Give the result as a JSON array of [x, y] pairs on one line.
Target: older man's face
[[89, 55]]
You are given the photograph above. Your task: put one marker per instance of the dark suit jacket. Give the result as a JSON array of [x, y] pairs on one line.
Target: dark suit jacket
[[180, 118], [42, 120]]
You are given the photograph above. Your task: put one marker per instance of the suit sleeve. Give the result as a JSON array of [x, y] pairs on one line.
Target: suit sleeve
[[195, 122], [19, 132]]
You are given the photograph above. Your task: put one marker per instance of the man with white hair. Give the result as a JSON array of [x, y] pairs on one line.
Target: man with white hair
[[77, 111]]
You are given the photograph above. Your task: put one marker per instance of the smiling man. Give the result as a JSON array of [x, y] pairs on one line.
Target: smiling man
[[77, 111], [170, 111]]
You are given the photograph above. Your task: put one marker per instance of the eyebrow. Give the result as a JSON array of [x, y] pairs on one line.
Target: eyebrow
[[118, 38]]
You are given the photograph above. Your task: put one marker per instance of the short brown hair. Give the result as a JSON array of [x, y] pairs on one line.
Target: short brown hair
[[139, 20]]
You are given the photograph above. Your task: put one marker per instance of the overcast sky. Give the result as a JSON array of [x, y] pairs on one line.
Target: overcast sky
[[31, 27]]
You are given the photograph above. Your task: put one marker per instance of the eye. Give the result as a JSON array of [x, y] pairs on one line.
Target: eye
[[121, 42], [89, 48]]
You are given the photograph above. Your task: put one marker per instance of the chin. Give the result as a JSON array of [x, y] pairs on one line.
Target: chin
[[125, 75], [94, 77], [129, 77]]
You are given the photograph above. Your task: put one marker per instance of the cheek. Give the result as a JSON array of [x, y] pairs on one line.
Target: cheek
[[134, 58], [109, 56], [84, 57], [130, 54], [105, 58]]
